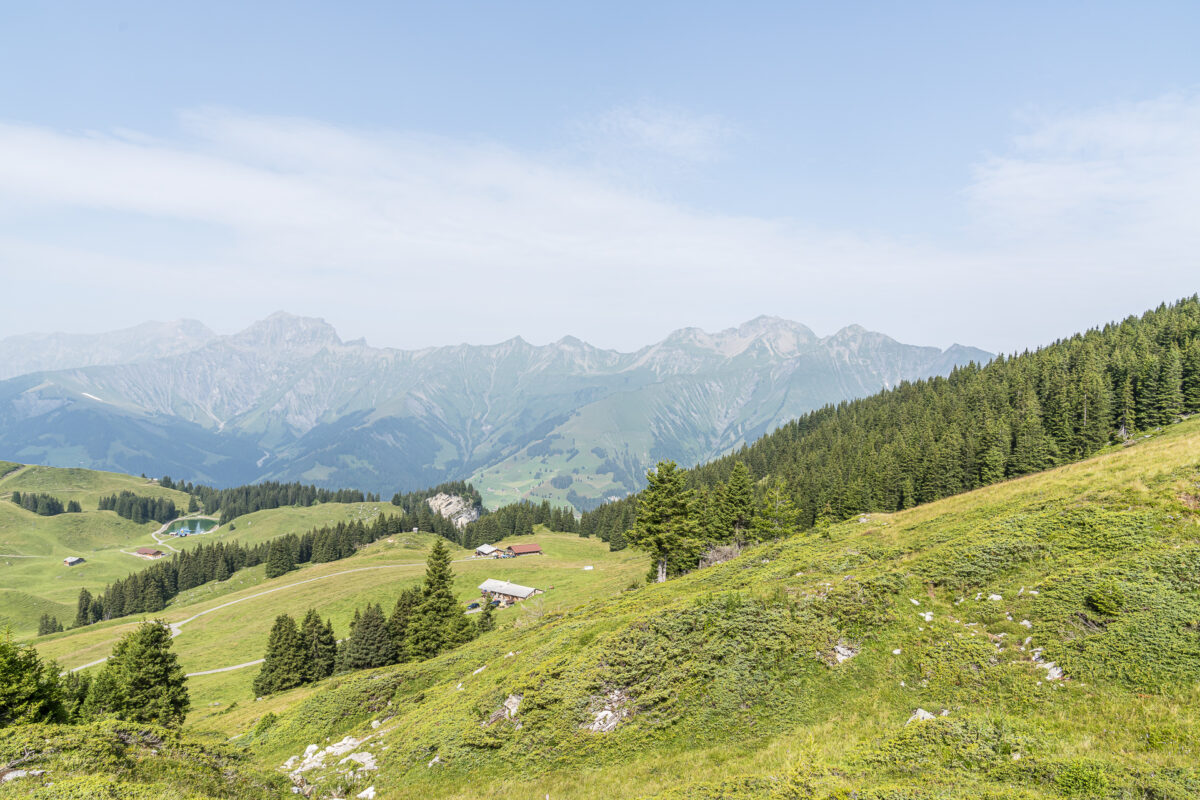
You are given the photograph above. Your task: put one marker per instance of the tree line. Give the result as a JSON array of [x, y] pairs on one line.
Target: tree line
[[140, 682], [140, 509], [240, 500], [45, 505], [150, 589], [928, 439], [426, 620]]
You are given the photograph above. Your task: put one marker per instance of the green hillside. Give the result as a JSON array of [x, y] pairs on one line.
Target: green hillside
[[33, 578], [791, 671]]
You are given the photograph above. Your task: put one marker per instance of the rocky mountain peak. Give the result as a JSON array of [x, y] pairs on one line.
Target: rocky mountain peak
[[284, 332]]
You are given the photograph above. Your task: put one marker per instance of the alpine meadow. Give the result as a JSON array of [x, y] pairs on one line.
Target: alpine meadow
[[543, 401]]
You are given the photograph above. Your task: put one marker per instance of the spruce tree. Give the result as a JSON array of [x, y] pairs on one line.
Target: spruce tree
[[486, 621], [666, 527], [738, 501], [777, 517], [142, 680], [370, 644], [1168, 401], [279, 558], [284, 664], [1191, 377], [82, 608], [320, 646], [406, 606], [439, 622], [29, 687]]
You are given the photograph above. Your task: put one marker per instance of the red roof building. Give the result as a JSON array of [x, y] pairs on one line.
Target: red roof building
[[148, 552], [524, 549]]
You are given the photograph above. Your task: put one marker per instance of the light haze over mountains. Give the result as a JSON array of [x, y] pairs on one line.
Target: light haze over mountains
[[287, 399]]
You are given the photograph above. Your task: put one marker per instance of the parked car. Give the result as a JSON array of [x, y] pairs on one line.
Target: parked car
[[473, 605], [494, 603]]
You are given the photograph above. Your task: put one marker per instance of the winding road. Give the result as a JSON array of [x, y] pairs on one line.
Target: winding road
[[177, 627]]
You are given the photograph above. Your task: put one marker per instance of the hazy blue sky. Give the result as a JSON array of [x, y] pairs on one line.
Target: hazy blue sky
[[997, 174]]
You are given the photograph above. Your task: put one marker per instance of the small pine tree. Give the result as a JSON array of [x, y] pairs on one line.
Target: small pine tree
[[82, 608], [320, 646], [370, 644], [142, 680], [284, 664], [486, 621]]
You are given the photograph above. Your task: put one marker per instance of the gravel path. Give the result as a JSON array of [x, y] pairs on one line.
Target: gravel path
[[177, 627]]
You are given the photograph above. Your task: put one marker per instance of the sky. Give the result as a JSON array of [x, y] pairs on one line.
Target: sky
[[997, 174]]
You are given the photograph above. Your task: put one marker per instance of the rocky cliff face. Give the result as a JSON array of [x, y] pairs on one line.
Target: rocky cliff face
[[287, 399], [458, 510]]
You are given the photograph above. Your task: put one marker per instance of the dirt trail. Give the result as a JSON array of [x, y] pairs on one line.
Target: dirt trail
[[177, 627]]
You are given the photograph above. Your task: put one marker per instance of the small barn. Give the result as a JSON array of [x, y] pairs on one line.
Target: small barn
[[486, 550], [507, 593], [148, 552], [71, 561], [523, 549]]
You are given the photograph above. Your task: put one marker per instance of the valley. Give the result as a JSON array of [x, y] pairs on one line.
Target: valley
[[288, 400]]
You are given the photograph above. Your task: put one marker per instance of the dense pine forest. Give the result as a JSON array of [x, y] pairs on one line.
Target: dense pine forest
[[45, 505], [140, 509], [239, 500], [929, 439]]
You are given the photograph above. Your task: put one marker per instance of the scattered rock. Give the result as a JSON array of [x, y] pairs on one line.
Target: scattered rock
[[1026, 623], [481, 669], [844, 651], [436, 760], [608, 711], [375, 724], [13, 774], [366, 794], [365, 760], [507, 710], [914, 602], [896, 652], [919, 716], [926, 615], [995, 598]]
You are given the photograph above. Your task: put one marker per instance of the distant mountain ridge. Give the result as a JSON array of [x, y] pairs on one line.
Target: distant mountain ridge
[[287, 399], [34, 352]]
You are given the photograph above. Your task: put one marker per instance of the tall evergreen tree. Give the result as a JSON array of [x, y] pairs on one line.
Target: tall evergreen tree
[[439, 622], [142, 680], [285, 664], [320, 646], [29, 687], [370, 644], [777, 517], [82, 609], [1191, 378], [407, 603], [666, 527], [279, 559]]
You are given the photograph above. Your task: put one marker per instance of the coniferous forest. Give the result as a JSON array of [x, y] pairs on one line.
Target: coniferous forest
[[140, 509], [929, 439], [239, 500]]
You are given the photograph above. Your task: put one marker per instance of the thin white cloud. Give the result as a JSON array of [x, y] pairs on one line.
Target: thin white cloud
[[414, 240], [1125, 176], [664, 132]]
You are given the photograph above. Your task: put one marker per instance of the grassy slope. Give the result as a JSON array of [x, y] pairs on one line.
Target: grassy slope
[[237, 634], [38, 582], [734, 690]]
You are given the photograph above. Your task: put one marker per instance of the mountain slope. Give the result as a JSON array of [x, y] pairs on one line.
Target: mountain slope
[[1048, 624], [35, 352], [287, 399]]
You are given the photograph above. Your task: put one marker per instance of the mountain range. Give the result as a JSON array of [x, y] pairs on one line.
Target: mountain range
[[287, 399]]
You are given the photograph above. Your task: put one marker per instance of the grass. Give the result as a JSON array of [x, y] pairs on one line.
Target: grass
[[732, 688]]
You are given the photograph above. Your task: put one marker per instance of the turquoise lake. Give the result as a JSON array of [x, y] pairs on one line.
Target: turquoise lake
[[190, 526]]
